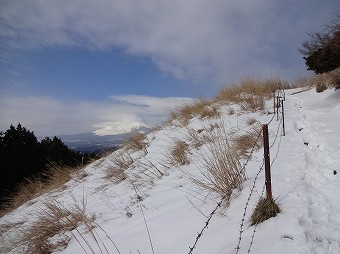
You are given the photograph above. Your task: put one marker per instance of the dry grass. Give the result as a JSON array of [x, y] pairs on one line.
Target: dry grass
[[251, 121], [201, 108], [252, 102], [320, 82], [334, 78], [231, 111], [144, 174], [195, 139], [54, 222], [137, 141], [178, 153], [53, 178], [264, 210], [243, 143], [326, 80], [251, 93], [302, 82], [219, 166], [209, 112], [117, 171]]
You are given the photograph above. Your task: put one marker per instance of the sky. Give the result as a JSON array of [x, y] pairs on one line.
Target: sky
[[74, 66]]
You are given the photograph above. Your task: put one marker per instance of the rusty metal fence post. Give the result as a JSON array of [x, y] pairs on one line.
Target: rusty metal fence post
[[274, 102], [284, 94], [283, 119], [267, 161], [278, 105]]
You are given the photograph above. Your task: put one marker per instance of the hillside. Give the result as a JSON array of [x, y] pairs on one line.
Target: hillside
[[157, 194]]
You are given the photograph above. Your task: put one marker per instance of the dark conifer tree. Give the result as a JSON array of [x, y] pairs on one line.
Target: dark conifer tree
[[22, 156], [19, 152]]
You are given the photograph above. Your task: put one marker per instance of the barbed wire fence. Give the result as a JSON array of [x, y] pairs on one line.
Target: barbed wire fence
[[278, 103], [219, 204]]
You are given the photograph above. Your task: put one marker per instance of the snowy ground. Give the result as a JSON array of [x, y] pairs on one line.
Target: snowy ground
[[165, 203]]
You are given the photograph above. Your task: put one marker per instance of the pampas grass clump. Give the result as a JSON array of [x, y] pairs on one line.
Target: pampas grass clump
[[265, 209]]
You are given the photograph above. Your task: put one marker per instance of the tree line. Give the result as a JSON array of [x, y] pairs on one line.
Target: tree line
[[23, 156]]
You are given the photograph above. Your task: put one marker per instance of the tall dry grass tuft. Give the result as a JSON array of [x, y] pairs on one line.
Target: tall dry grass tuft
[[219, 166], [178, 153], [53, 178], [194, 138], [334, 78], [323, 81], [117, 171], [137, 141], [265, 209], [49, 232]]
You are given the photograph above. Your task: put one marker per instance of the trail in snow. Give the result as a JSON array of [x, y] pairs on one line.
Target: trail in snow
[[317, 122]]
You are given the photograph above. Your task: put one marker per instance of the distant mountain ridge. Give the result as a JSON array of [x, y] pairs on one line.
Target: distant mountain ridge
[[90, 142]]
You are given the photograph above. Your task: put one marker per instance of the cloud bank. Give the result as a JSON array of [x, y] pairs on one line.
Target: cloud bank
[[199, 40], [47, 116]]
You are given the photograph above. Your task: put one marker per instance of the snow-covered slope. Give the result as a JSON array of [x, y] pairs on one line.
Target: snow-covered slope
[[158, 209]]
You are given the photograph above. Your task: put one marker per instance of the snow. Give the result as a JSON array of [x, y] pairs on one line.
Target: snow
[[126, 127], [159, 198]]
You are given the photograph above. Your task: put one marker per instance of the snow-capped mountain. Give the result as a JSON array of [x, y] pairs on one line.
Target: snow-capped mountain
[[91, 142]]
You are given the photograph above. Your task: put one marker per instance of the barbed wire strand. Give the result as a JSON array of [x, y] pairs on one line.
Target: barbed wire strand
[[199, 235], [255, 227], [246, 207], [276, 134]]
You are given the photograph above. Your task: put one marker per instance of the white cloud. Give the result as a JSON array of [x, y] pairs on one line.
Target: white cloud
[[209, 40], [48, 116]]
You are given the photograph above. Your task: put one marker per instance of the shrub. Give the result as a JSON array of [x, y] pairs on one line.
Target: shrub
[[321, 51], [264, 210]]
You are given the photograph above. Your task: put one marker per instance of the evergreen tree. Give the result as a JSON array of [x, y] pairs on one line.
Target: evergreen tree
[[22, 156], [54, 150], [19, 152]]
